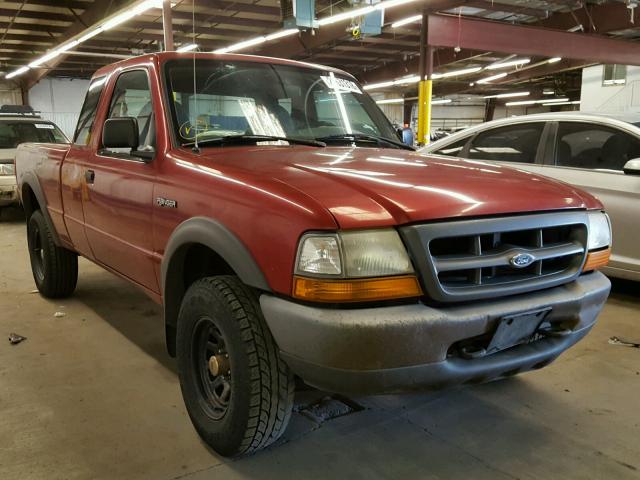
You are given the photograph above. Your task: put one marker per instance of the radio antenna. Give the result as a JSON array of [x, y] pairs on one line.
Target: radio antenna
[[196, 148]]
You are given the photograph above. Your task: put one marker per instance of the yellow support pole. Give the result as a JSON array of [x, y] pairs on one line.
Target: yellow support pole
[[425, 89]]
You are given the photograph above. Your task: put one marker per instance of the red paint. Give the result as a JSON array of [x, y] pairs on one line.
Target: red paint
[[268, 196]]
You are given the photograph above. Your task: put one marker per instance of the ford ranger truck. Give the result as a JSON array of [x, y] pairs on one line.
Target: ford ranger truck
[[274, 213]]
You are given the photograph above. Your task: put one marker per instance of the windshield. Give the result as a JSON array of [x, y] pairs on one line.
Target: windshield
[[248, 98], [13, 133]]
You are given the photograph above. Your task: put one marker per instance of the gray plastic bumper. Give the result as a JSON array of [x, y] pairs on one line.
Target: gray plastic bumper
[[403, 348]]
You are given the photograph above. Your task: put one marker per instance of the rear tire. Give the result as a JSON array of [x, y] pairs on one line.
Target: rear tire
[[246, 406], [55, 269]]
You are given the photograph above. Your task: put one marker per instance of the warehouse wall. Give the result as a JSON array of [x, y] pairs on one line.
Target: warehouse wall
[[10, 94], [611, 98], [59, 100]]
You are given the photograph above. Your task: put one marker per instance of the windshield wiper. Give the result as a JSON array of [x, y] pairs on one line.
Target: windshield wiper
[[248, 139], [354, 137]]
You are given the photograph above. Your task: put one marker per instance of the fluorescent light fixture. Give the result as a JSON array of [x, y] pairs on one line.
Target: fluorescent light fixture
[[407, 80], [374, 86], [281, 33], [553, 104], [575, 102], [407, 21], [17, 72], [509, 63], [359, 12], [387, 101], [44, 59], [257, 41], [90, 35], [552, 100], [188, 48], [391, 83], [456, 73], [521, 102], [554, 60], [242, 45], [129, 14], [548, 92], [492, 78], [508, 95], [441, 101]]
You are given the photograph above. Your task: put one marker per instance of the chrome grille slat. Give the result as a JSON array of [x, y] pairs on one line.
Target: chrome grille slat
[[471, 259]]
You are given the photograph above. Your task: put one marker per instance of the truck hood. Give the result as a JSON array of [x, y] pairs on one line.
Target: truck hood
[[365, 187]]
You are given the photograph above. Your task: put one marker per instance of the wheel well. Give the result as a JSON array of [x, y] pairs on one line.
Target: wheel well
[[29, 200], [189, 263]]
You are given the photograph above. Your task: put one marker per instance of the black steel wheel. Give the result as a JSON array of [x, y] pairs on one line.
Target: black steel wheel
[[54, 268], [237, 390], [211, 361]]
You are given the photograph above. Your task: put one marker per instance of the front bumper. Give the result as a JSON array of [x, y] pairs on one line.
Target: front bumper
[[8, 190], [404, 348]]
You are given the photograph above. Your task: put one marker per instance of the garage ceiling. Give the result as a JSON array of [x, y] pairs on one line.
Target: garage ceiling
[[29, 28]]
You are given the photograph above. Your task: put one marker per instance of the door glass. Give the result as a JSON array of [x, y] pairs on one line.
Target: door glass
[[132, 98], [586, 145], [515, 143], [88, 112], [453, 149]]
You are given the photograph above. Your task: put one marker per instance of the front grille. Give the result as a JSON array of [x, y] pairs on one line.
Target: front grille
[[486, 258]]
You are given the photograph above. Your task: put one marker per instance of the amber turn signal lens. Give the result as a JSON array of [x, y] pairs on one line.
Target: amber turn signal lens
[[360, 290], [597, 260]]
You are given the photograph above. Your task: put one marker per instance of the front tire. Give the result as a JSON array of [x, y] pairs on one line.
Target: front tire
[[55, 269], [237, 390]]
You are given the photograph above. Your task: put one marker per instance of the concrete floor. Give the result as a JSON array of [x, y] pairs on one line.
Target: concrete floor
[[93, 395]]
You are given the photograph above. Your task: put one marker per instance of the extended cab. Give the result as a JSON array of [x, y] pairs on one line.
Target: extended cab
[[270, 207]]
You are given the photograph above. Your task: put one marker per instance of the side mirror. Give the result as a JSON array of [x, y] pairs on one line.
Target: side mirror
[[632, 167], [120, 133]]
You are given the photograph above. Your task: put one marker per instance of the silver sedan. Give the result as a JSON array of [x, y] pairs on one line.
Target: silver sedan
[[598, 153]]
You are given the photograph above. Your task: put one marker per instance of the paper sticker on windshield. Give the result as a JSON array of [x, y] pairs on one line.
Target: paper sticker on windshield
[[341, 84], [48, 126]]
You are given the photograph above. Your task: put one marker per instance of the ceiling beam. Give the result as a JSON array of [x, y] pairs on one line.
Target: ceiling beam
[[452, 31], [98, 11]]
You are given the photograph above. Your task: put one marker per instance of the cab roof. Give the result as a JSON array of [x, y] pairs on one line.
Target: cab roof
[[162, 57]]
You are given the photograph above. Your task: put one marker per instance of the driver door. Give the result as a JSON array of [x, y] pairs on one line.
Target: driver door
[[119, 205]]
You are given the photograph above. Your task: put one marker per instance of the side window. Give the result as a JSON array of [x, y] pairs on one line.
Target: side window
[[586, 145], [453, 149], [88, 112], [132, 98], [515, 143]]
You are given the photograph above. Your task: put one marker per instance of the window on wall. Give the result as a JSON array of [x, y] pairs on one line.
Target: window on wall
[[614, 75]]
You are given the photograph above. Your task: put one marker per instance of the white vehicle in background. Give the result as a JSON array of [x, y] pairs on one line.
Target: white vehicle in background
[[596, 152], [20, 124]]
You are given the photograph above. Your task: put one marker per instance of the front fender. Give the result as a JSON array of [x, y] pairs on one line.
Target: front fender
[[212, 234]]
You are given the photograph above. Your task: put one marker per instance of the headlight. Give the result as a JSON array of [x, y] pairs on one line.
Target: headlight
[[599, 230], [368, 253], [599, 244], [7, 169], [354, 266]]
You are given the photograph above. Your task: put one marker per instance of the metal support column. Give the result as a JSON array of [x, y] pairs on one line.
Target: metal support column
[[167, 25], [425, 86]]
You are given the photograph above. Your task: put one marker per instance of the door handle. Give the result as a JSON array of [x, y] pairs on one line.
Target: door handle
[[90, 176]]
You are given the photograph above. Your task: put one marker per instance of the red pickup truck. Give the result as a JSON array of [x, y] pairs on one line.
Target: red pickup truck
[[270, 207]]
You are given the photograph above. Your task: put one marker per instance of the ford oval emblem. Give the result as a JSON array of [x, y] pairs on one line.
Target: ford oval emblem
[[521, 260]]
